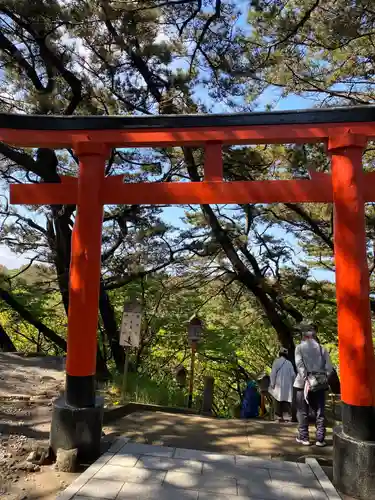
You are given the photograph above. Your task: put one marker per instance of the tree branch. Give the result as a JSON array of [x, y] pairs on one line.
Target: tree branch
[[8, 47], [299, 25], [50, 57], [113, 285], [135, 58], [191, 17], [313, 225], [208, 23], [21, 158], [9, 299]]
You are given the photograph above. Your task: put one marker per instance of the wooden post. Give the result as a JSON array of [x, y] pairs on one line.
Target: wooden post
[[85, 277], [191, 383], [208, 395], [125, 375]]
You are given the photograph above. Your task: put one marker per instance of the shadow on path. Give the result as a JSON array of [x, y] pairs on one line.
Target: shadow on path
[[257, 438]]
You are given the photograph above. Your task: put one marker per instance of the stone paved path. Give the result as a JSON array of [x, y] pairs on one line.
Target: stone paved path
[[143, 472], [235, 437]]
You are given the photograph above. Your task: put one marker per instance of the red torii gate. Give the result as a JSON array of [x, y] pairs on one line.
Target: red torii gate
[[344, 130]]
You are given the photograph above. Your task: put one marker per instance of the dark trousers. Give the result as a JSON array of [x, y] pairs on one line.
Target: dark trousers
[[282, 407], [317, 404], [294, 406]]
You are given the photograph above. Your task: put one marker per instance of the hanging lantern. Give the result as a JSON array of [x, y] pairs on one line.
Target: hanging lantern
[[195, 330]]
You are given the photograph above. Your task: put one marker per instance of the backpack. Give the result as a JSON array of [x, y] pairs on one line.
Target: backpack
[[318, 381]]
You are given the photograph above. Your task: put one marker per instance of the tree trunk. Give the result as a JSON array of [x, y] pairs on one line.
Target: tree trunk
[[60, 243], [102, 372], [110, 326], [6, 344]]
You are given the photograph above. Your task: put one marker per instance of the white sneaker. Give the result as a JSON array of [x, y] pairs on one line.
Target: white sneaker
[[304, 442], [321, 444]]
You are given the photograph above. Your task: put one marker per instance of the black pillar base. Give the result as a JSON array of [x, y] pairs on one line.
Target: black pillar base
[[79, 428], [353, 465], [80, 391]]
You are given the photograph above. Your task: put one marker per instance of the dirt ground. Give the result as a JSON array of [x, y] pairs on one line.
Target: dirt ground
[[28, 387]]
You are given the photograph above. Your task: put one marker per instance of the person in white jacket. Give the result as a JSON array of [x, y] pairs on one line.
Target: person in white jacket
[[281, 385]]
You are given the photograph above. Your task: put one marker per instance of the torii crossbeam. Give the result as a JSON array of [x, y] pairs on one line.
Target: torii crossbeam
[[344, 130]]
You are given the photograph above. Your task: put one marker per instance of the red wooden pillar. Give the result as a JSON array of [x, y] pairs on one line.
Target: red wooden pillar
[[354, 442], [85, 276], [357, 363]]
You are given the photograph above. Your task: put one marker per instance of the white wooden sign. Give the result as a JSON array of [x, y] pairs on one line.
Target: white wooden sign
[[130, 332]]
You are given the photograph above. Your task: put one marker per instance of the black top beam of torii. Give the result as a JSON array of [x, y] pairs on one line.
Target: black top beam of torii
[[351, 114]]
